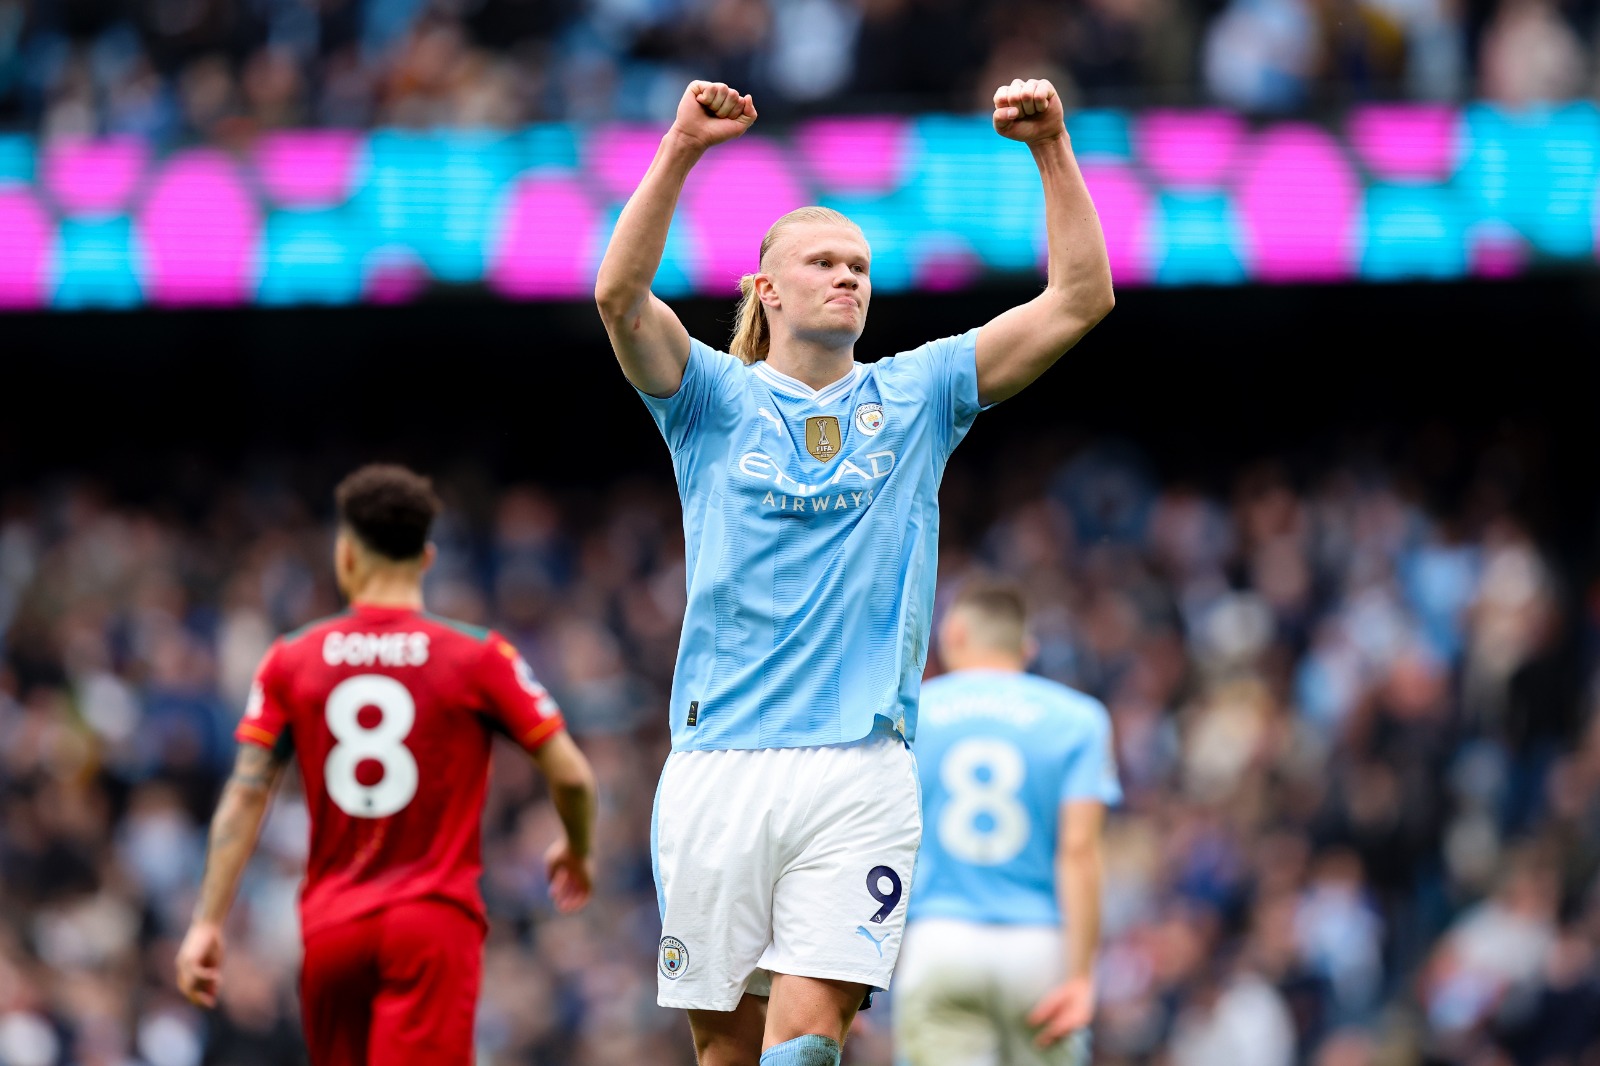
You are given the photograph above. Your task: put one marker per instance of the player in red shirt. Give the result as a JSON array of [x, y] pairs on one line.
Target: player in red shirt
[[390, 712]]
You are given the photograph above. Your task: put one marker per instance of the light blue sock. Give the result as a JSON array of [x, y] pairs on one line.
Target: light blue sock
[[808, 1050]]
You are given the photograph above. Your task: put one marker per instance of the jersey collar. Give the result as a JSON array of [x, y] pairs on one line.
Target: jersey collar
[[781, 382], [380, 610]]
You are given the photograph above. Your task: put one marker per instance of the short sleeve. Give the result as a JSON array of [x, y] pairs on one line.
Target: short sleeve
[[709, 379], [514, 698], [266, 713], [1092, 764], [945, 374]]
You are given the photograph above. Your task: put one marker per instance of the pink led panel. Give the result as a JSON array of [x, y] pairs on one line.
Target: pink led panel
[[1190, 149], [394, 275], [1299, 199], [94, 177], [619, 155], [854, 155], [546, 244], [310, 168], [1495, 250], [1405, 142], [25, 233], [199, 228], [948, 266]]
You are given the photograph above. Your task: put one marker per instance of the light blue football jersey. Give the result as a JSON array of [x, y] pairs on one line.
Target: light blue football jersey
[[811, 531], [999, 753]]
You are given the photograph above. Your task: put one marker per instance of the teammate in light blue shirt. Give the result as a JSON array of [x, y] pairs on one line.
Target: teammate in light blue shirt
[[1016, 774], [787, 817]]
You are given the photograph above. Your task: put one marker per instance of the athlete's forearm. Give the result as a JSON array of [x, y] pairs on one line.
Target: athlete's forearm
[[572, 788], [1078, 879], [634, 254], [1020, 344], [1079, 270], [576, 804], [234, 829]]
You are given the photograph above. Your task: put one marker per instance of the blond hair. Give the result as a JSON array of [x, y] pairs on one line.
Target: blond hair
[[752, 339], [997, 613]]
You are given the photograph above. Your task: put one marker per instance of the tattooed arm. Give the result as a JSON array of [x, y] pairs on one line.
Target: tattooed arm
[[234, 828]]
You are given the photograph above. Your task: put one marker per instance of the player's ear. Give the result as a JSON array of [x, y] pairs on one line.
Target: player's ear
[[344, 552], [766, 292], [1030, 649], [430, 552]]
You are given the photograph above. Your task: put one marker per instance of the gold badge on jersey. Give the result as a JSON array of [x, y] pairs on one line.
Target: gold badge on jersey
[[822, 437]]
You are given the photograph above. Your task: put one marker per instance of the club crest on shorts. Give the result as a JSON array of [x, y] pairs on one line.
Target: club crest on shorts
[[674, 958], [869, 418], [822, 437]]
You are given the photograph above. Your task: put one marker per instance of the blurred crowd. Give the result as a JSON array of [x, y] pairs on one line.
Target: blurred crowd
[[221, 70], [1362, 773]]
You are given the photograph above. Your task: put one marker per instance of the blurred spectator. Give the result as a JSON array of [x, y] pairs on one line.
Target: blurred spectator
[[1234, 1019], [1556, 1018], [1362, 819], [1494, 947], [1260, 55], [1530, 53], [220, 70]]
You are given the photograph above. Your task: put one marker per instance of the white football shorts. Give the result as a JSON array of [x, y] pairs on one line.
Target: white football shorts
[[782, 860], [965, 992]]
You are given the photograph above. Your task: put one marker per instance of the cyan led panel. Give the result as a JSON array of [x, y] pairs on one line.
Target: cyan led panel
[[96, 265], [310, 257], [1413, 231], [16, 158], [1199, 197]]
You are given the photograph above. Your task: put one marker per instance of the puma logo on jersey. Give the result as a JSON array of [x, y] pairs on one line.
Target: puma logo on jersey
[[375, 649]]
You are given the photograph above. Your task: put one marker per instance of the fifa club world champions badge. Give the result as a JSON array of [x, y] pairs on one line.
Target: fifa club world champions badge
[[822, 437]]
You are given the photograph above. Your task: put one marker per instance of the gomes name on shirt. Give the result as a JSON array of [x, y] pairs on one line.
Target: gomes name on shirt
[[369, 649]]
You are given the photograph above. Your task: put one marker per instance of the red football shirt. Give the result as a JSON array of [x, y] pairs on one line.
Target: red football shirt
[[390, 713]]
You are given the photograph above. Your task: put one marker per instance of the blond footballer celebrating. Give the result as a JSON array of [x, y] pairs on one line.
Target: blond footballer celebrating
[[787, 817]]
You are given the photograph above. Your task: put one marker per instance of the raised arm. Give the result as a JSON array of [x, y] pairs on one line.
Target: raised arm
[[1070, 1005], [1022, 343], [650, 342], [234, 829]]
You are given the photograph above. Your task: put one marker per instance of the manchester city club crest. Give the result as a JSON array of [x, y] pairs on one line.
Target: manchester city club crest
[[822, 437], [869, 418], [674, 958]]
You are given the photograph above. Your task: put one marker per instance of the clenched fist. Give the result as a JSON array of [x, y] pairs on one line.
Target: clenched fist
[[711, 113], [1029, 111]]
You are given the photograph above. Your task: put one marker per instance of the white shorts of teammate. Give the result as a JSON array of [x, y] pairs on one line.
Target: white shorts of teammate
[[965, 992], [782, 860]]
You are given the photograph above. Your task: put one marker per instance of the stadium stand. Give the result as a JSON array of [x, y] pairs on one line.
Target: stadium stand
[[224, 70], [1360, 819]]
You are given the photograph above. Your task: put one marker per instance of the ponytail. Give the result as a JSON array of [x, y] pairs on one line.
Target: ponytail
[[750, 338]]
